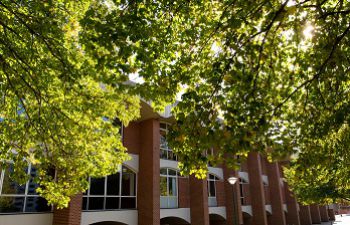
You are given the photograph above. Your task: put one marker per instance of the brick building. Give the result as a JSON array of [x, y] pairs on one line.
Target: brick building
[[148, 190]]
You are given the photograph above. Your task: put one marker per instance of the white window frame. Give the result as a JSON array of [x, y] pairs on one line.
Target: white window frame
[[166, 149], [168, 197], [212, 200]]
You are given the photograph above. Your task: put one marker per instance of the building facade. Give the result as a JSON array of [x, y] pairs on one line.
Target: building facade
[[149, 190]]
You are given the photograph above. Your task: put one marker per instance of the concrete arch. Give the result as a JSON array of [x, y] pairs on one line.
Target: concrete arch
[[172, 220], [118, 217], [133, 163], [182, 214]]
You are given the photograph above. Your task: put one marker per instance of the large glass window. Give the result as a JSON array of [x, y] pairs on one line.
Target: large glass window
[[212, 190], [168, 188], [116, 191], [165, 151], [16, 198]]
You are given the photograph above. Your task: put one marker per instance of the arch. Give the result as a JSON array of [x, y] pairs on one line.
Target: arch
[[216, 219], [108, 223], [247, 218], [172, 220]]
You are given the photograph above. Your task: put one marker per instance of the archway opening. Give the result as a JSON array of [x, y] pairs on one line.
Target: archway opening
[[215, 219], [247, 218], [108, 223], [173, 221]]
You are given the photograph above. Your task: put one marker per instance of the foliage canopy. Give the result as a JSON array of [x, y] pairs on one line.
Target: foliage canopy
[[269, 76]]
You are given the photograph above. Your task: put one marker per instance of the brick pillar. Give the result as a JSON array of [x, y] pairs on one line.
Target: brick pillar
[[324, 213], [256, 189], [199, 201], [292, 207], [276, 199], [331, 214], [70, 215], [148, 195], [305, 215], [315, 214], [231, 215]]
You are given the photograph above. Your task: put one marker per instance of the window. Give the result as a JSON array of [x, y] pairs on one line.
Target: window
[[116, 191], [212, 190], [168, 188], [165, 151], [242, 182], [16, 198]]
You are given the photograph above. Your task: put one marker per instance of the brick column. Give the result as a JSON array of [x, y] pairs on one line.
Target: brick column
[[292, 207], [256, 189], [305, 215], [148, 195], [231, 215], [315, 214], [331, 214], [70, 215], [199, 201], [276, 199], [324, 213]]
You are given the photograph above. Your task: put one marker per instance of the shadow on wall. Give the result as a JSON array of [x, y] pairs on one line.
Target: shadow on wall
[[173, 221]]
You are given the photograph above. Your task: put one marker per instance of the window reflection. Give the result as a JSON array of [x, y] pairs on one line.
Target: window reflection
[[16, 198], [116, 191]]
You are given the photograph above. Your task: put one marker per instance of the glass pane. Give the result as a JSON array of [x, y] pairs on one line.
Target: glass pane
[[11, 187], [36, 204], [211, 177], [163, 202], [128, 183], [163, 171], [128, 202], [84, 203], [32, 186], [112, 203], [163, 141], [163, 186], [95, 203], [11, 204], [163, 126], [172, 186], [113, 184], [97, 186], [172, 172], [212, 188]]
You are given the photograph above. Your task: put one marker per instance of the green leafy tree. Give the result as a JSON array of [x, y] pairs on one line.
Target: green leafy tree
[[268, 76]]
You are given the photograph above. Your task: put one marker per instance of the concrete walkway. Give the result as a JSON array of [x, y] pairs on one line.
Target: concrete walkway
[[340, 220]]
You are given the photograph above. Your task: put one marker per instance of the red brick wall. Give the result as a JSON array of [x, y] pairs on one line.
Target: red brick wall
[[131, 137], [244, 167], [324, 213], [70, 215], [256, 189], [305, 215], [220, 193], [246, 194], [267, 194], [148, 198], [199, 201], [275, 199], [184, 192], [315, 214], [292, 216]]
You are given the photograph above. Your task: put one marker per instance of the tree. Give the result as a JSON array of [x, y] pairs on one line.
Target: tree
[[265, 76]]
